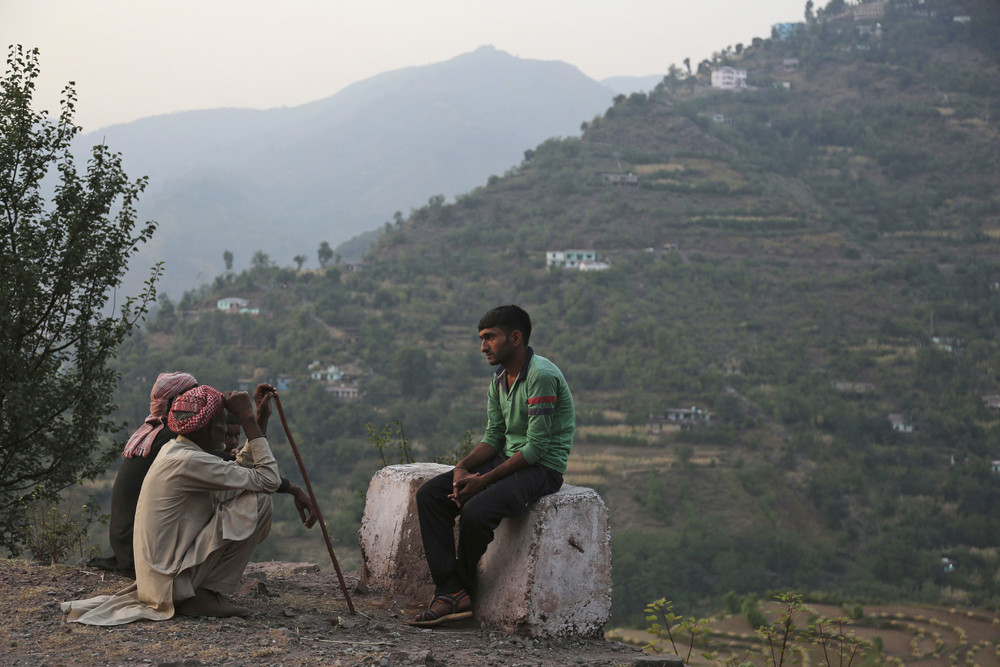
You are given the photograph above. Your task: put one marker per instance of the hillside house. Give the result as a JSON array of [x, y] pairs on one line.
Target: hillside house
[[569, 259], [620, 180], [331, 373], [682, 418], [729, 78], [992, 402], [236, 306], [995, 467], [947, 343], [871, 11], [899, 423], [231, 304], [790, 64], [346, 391]]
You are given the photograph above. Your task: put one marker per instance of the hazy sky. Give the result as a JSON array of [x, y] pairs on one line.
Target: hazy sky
[[136, 58]]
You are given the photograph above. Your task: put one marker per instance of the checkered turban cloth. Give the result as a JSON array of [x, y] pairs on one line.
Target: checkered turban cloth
[[194, 409], [167, 386]]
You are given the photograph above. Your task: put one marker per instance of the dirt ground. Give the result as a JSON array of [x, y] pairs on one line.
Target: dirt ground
[[298, 617]]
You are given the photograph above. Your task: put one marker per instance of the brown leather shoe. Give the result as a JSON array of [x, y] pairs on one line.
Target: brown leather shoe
[[209, 603]]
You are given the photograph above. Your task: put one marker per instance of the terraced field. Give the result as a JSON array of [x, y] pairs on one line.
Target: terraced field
[[908, 635]]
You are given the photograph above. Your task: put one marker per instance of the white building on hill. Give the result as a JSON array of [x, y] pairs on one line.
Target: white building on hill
[[729, 78], [569, 259]]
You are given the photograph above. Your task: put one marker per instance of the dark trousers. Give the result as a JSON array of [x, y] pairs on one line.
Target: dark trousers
[[453, 569]]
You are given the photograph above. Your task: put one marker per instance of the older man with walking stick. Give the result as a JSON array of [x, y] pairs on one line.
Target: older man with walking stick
[[198, 518]]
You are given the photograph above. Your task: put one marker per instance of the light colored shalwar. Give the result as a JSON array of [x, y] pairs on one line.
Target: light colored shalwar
[[198, 519]]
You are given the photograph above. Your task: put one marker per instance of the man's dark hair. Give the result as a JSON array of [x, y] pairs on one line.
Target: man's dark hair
[[508, 318], [231, 418]]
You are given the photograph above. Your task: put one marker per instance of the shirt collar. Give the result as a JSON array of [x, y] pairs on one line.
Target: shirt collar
[[500, 376]]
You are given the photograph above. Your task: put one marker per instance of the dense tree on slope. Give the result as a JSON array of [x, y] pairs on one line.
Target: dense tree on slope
[[62, 261]]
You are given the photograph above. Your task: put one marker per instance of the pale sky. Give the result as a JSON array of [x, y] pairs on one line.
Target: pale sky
[[136, 58]]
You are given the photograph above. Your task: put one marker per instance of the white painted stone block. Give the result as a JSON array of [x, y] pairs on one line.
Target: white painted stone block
[[546, 573], [391, 550]]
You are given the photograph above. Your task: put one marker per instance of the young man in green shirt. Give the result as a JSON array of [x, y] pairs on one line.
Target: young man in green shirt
[[522, 457]]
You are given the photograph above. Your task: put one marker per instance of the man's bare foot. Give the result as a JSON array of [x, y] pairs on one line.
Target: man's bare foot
[[209, 603]]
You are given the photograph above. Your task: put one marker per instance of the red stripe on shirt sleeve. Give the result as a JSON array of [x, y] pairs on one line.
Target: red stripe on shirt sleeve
[[541, 399]]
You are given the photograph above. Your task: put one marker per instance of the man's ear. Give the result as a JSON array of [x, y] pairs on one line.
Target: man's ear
[[515, 338]]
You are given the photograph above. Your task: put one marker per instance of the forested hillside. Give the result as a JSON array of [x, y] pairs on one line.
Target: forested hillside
[[812, 259]]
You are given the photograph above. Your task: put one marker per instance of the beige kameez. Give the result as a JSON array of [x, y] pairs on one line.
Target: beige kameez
[[196, 524]]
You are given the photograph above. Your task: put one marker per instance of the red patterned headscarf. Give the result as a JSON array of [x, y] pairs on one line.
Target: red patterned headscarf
[[194, 409], [167, 386]]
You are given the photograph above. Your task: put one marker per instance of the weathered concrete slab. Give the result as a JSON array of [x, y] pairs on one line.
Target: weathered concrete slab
[[391, 550], [547, 572]]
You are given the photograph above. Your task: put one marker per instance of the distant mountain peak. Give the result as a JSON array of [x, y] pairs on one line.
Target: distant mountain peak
[[341, 166]]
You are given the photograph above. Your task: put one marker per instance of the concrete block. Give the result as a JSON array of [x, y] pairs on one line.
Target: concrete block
[[391, 550], [547, 573]]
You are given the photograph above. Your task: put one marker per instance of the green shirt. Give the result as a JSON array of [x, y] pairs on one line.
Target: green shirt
[[535, 416]]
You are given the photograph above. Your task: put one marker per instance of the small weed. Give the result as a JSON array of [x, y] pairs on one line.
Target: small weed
[[380, 439], [51, 534], [667, 625]]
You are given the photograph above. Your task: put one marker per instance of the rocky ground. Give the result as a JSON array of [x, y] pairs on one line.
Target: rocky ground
[[298, 617]]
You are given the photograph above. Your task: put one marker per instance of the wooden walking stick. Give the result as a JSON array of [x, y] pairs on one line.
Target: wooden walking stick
[[312, 496]]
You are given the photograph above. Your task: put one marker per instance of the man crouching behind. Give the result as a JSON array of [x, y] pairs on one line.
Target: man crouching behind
[[198, 519]]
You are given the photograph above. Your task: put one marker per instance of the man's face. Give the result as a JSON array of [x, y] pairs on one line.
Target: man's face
[[232, 437], [217, 430], [495, 344]]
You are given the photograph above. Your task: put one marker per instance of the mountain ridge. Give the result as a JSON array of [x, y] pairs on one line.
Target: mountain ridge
[[337, 167]]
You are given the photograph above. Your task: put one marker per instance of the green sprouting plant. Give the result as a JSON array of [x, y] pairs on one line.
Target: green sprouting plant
[[381, 438], [778, 634], [664, 624], [839, 649], [829, 635], [51, 534]]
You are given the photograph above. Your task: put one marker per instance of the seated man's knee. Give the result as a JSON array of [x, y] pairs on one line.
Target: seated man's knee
[[475, 515], [430, 493], [423, 493]]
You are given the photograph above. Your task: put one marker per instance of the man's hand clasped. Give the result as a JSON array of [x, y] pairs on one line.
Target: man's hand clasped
[[465, 485]]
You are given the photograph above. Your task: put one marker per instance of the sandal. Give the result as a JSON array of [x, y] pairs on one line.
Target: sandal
[[429, 617]]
